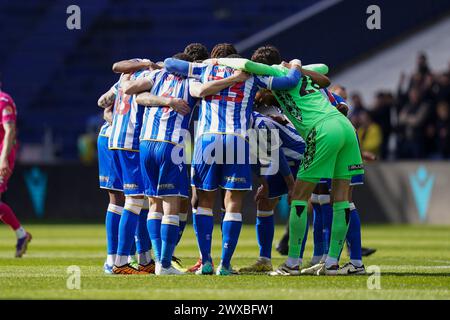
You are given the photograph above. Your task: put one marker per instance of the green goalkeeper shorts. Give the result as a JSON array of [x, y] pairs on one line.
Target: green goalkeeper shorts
[[332, 151]]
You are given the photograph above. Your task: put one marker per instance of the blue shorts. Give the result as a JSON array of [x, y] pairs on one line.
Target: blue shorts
[[163, 169], [107, 173], [221, 160], [128, 167], [277, 184], [356, 180]]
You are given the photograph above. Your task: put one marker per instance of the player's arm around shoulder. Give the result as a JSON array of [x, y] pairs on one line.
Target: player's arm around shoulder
[[147, 99], [108, 114], [142, 83], [185, 68], [107, 99], [250, 66], [201, 90], [320, 79], [133, 65]]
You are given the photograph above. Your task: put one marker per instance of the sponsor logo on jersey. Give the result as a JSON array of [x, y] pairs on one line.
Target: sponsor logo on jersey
[[354, 167], [166, 186], [103, 178], [235, 179], [130, 186]]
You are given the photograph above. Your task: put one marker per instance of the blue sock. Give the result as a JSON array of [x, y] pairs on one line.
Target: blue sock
[[354, 234], [265, 228], [205, 224], [232, 224], [194, 221], [318, 230], [170, 227], [183, 220], [133, 247], [327, 216], [302, 249], [143, 243], [127, 230], [154, 230], [222, 216], [112, 221]]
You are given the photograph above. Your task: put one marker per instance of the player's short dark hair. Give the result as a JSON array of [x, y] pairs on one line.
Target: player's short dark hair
[[234, 55], [183, 56], [223, 50], [197, 51], [267, 54]]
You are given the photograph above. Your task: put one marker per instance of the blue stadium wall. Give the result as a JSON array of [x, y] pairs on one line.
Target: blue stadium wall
[[394, 192]]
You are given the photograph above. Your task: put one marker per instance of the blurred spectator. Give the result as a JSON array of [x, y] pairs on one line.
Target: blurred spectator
[[382, 115], [441, 87], [369, 133], [356, 108], [411, 121], [443, 130]]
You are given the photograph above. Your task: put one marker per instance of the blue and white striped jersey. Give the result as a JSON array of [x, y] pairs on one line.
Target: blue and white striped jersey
[[127, 118], [292, 144], [333, 97], [162, 123], [105, 130], [229, 111]]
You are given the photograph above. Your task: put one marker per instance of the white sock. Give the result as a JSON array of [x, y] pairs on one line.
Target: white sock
[[144, 258], [330, 262], [315, 259], [110, 259], [20, 233], [265, 259], [292, 262], [356, 263], [121, 260]]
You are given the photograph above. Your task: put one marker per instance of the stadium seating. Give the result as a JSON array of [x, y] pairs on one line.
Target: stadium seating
[[63, 97]]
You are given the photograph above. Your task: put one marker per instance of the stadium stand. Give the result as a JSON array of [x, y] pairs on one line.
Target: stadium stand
[[65, 63]]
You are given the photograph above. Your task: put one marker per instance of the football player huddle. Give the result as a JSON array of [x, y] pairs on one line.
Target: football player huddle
[[260, 122]]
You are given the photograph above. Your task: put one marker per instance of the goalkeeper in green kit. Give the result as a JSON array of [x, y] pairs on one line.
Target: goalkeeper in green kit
[[331, 152]]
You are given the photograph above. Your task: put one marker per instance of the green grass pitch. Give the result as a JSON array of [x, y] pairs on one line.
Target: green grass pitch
[[414, 262]]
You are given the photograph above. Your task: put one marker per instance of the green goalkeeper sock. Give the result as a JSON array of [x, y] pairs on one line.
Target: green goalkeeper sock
[[298, 219], [341, 219]]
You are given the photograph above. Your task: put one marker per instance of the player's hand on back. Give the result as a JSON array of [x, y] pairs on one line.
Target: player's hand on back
[[279, 118], [241, 76], [286, 64], [342, 108], [296, 63], [155, 66], [180, 106], [212, 61]]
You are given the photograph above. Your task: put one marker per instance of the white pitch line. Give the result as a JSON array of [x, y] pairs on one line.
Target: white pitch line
[[407, 267], [441, 261]]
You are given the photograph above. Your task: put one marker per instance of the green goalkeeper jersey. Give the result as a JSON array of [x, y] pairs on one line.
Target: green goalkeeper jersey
[[305, 105]]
